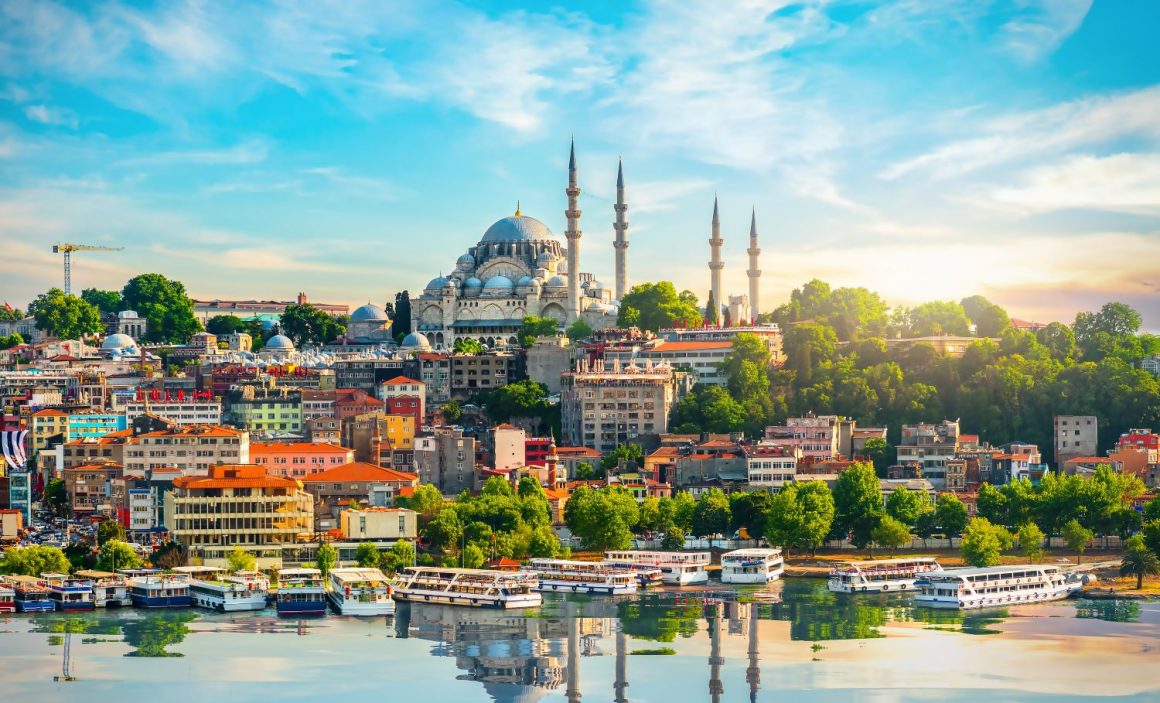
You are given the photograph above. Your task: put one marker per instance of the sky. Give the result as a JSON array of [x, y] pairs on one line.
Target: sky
[[925, 149]]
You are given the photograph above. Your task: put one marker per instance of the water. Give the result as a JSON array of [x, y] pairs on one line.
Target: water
[[799, 643]]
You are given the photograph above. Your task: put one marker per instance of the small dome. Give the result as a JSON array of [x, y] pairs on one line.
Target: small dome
[[437, 283], [127, 314], [465, 262], [595, 285], [473, 282], [556, 282], [517, 228], [279, 342], [415, 340], [368, 313], [524, 281], [544, 259], [497, 283], [116, 342]]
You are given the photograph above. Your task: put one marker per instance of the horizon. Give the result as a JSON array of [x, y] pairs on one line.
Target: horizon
[[1008, 150]]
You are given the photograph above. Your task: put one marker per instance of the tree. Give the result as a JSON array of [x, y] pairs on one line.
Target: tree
[[712, 308], [401, 320], [1139, 561], [525, 398], [452, 412], [680, 509], [990, 320], [1059, 341], [306, 324], [652, 306], [117, 554], [749, 510], [1076, 537], [800, 515], [992, 504], [445, 529], [983, 543], [326, 558], [164, 305], [169, 555], [8, 341], [533, 327], [602, 518], [579, 330], [891, 534], [937, 318], [1031, 541], [925, 525], [473, 557], [857, 502], [904, 506], [674, 539], [110, 529], [107, 301], [65, 316], [367, 555], [711, 515], [467, 345], [585, 471], [951, 515], [34, 560], [238, 559], [630, 454], [877, 451], [222, 325], [401, 555], [56, 497]]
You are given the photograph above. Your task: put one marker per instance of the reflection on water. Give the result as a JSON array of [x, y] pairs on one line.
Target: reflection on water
[[1110, 610]]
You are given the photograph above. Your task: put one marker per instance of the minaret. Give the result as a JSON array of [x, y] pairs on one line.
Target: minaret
[[754, 272], [573, 234], [621, 227], [715, 263]]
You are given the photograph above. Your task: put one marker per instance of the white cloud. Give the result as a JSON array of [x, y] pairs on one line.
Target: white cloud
[[247, 152], [53, 116], [1120, 183], [1041, 26]]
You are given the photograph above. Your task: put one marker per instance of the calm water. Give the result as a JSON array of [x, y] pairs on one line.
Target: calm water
[[797, 643]]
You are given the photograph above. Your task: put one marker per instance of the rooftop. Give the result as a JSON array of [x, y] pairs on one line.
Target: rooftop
[[360, 471], [235, 476], [301, 447]]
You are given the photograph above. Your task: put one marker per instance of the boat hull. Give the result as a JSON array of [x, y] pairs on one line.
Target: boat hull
[[35, 606], [598, 589], [357, 608], [767, 577], [7, 607], [301, 607], [685, 578], [976, 602], [531, 600], [141, 601], [75, 606], [235, 605], [871, 587]]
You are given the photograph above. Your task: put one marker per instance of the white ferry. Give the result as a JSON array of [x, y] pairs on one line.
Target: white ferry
[[7, 599], [69, 592], [996, 586], [29, 594], [153, 588], [583, 577], [882, 575], [109, 590], [757, 565], [478, 588], [210, 587], [360, 591], [677, 568], [300, 592]]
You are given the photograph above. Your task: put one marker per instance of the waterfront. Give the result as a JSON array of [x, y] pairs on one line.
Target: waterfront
[[807, 645]]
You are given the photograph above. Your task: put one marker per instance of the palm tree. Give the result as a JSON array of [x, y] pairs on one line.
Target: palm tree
[[1139, 561]]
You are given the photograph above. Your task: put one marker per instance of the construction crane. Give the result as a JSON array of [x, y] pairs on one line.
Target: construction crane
[[67, 250]]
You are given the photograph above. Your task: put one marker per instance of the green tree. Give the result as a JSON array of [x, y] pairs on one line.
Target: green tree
[[533, 327], [1152, 510], [877, 451], [444, 530], [1059, 341], [1113, 319], [990, 320], [992, 504], [426, 500], [401, 320], [56, 497], [926, 525], [858, 503], [652, 306], [515, 400], [585, 471], [473, 557], [800, 515], [169, 555], [1031, 541], [650, 516], [748, 510], [712, 310], [983, 543], [326, 558], [34, 560], [1076, 537], [1139, 561], [65, 316], [681, 508], [937, 318], [631, 454], [466, 345], [107, 301], [110, 529], [117, 554], [905, 506], [367, 555], [951, 515], [711, 515], [306, 324], [402, 554], [602, 518], [238, 559], [674, 539], [222, 325], [579, 330], [890, 534], [11, 340], [164, 305], [452, 412]]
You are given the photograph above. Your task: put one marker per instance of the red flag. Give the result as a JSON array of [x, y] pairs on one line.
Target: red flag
[[7, 306]]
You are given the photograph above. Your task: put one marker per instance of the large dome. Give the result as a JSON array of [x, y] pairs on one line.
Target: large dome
[[278, 342], [368, 313], [517, 228], [415, 340], [498, 283], [117, 341]]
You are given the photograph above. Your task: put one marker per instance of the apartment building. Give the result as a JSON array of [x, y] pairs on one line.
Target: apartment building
[[404, 396], [930, 446], [1075, 435], [446, 460], [472, 374], [203, 411], [90, 487], [602, 408], [193, 449], [298, 459], [771, 467], [265, 411]]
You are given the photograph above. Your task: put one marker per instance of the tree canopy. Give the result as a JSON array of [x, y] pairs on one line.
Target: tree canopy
[[107, 301], [653, 306], [532, 327], [225, 324], [306, 324], [164, 305], [65, 316]]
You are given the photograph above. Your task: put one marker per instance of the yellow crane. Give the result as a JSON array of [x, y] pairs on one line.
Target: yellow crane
[[67, 250]]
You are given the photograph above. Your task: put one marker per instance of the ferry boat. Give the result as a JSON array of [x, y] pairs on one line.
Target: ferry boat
[[646, 574], [677, 568], [7, 598], [882, 575], [69, 592], [757, 565], [153, 588], [996, 586], [109, 590], [210, 587], [360, 591], [300, 592], [477, 588], [583, 577], [29, 594]]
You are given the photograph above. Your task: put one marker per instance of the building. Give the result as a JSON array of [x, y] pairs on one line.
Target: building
[[404, 396], [538, 449], [349, 402], [324, 429], [369, 324], [547, 359], [389, 524], [435, 373], [472, 374], [819, 438], [237, 506], [930, 446], [1144, 440], [365, 374], [1151, 364], [771, 467], [569, 458], [298, 459], [379, 438], [946, 345], [202, 409], [769, 334], [265, 411], [260, 309], [110, 448], [193, 449], [602, 408], [316, 404], [90, 487], [351, 485], [11, 524], [701, 358], [446, 460], [508, 447], [1075, 435]]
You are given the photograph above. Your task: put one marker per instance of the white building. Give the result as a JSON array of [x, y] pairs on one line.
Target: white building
[[771, 467], [193, 449], [602, 408], [181, 412]]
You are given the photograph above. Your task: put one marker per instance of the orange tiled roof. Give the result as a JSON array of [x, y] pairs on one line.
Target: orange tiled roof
[[577, 452], [399, 380], [47, 412], [95, 466], [235, 476], [301, 447], [360, 471], [196, 431], [665, 452], [107, 438]]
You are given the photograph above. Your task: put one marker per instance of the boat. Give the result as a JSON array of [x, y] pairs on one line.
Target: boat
[[994, 586], [210, 587], [646, 574], [110, 590], [592, 577], [677, 568], [154, 588], [360, 591], [69, 592], [300, 592], [882, 575], [29, 594], [757, 565], [7, 598], [477, 588]]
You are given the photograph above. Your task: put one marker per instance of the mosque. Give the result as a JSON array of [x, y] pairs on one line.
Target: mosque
[[520, 268]]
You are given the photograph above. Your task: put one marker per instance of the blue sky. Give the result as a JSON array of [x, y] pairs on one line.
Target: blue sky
[[924, 149]]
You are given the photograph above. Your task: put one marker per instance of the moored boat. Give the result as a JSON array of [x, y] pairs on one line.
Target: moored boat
[[154, 588], [360, 591], [29, 594], [109, 590], [882, 575], [210, 587], [300, 592], [478, 588], [7, 598], [756, 565], [593, 577], [996, 586], [677, 568], [69, 592]]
